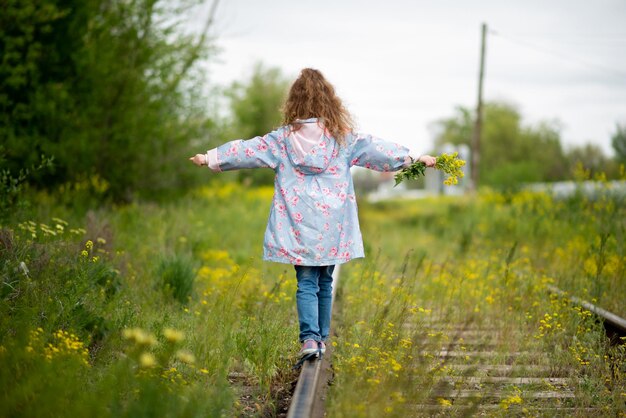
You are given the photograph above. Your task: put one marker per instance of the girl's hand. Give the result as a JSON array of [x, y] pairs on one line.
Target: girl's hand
[[430, 161], [199, 159]]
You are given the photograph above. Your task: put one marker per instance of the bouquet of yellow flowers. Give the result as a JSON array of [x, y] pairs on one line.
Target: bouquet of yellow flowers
[[448, 163]]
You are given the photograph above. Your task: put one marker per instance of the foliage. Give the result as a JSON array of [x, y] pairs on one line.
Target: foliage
[[86, 329], [255, 110], [448, 163], [107, 88], [11, 184], [416, 170], [618, 141], [591, 158], [511, 153], [256, 103]]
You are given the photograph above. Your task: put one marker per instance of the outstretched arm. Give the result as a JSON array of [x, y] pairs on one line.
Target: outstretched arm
[[261, 151], [380, 155]]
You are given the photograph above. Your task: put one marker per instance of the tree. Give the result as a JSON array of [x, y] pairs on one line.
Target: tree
[[255, 110], [106, 87], [618, 141], [511, 153], [592, 159]]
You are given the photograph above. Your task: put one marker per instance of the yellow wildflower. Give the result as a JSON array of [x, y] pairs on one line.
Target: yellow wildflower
[[172, 335], [444, 402], [147, 360], [506, 403], [185, 356], [139, 336]]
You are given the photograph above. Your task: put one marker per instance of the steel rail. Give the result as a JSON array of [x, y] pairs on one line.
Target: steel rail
[[303, 398], [609, 318]]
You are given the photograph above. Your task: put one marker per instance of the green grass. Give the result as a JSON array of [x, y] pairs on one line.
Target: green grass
[[168, 310], [119, 281], [487, 262], [176, 276]]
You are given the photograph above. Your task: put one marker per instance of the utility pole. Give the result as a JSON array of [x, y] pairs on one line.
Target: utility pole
[[475, 151]]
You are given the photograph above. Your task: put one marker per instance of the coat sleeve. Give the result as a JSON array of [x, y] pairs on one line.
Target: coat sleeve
[[377, 154], [258, 152]]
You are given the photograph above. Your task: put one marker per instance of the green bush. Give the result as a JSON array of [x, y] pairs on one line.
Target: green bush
[[109, 88], [176, 277]]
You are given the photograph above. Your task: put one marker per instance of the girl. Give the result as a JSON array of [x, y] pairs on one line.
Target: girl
[[313, 220]]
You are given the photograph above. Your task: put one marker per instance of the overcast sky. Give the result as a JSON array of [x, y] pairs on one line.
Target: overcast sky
[[399, 65]]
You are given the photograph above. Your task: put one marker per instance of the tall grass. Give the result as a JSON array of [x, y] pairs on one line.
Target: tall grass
[[176, 277], [485, 261], [168, 310], [144, 310]]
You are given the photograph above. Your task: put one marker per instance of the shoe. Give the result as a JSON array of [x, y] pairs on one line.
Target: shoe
[[322, 347], [308, 347]]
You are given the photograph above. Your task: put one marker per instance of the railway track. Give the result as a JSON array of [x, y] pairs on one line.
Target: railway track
[[308, 397], [479, 368], [490, 368]]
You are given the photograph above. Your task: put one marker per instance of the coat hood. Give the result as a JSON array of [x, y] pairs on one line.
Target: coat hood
[[311, 148]]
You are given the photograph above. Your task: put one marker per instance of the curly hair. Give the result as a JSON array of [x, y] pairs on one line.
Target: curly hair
[[312, 96]]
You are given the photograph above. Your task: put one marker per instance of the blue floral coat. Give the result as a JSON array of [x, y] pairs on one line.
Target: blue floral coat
[[313, 219]]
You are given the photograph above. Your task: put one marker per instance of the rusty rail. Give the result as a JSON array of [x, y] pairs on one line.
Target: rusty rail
[[303, 399], [612, 322]]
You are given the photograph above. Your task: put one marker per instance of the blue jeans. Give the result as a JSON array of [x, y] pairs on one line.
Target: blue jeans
[[314, 300]]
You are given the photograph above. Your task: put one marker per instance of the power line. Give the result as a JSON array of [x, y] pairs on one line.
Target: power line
[[563, 35], [613, 39], [589, 42], [610, 71]]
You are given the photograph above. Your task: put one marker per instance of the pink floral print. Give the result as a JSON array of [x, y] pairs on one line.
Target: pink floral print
[[314, 218]]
